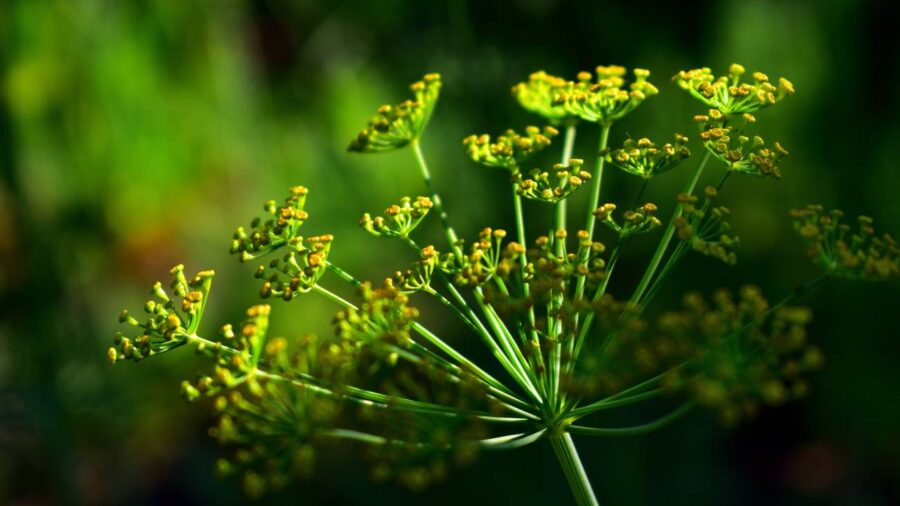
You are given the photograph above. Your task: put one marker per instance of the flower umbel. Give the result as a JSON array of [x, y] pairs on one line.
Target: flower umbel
[[843, 252], [509, 149], [729, 94], [542, 186], [539, 95], [169, 324], [395, 126], [739, 152], [608, 97], [398, 220], [704, 228], [638, 221], [645, 159]]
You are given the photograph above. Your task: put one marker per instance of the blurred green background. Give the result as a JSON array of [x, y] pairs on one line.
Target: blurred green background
[[136, 135]]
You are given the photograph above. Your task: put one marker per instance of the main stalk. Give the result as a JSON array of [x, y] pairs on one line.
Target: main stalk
[[565, 451]]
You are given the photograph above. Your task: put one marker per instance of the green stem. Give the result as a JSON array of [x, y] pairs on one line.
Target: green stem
[[594, 200], [559, 212], [510, 351], [452, 238], [354, 394], [520, 232], [512, 441], [502, 334], [598, 178], [424, 332], [640, 194], [452, 307], [565, 451], [609, 404], [667, 236], [601, 290], [680, 250], [800, 291], [499, 350], [637, 429]]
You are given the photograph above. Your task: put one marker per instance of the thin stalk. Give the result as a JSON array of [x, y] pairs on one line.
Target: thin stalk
[[424, 332], [657, 283], [500, 351], [559, 211], [493, 319], [556, 350], [598, 178], [637, 429], [589, 319], [615, 403], [461, 308], [511, 351], [452, 238], [507, 442], [526, 289], [452, 307], [669, 233], [594, 200], [797, 293], [640, 194], [512, 441], [567, 454], [493, 384], [355, 394]]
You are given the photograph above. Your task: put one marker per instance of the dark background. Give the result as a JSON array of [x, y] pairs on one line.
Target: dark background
[[136, 135]]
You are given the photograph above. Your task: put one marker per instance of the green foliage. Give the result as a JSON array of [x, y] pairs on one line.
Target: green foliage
[[566, 347]]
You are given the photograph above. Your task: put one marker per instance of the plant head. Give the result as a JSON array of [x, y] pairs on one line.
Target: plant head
[[395, 126], [538, 299]]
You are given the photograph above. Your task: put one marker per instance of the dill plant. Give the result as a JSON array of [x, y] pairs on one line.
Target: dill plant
[[565, 348]]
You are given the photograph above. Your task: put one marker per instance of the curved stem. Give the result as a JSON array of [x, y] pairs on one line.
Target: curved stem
[[614, 403], [637, 429], [508, 442], [512, 441], [567, 454]]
